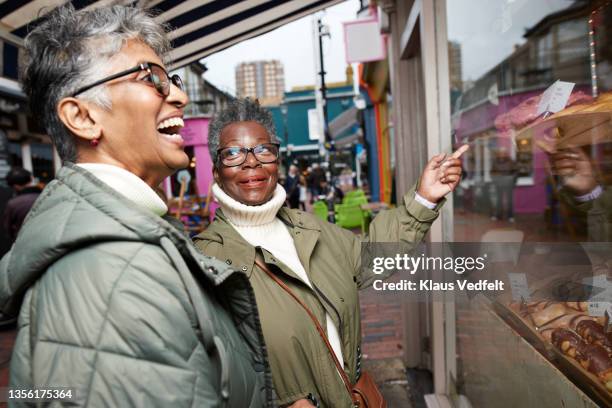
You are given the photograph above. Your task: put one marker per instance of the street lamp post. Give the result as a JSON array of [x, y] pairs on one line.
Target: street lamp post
[[284, 110], [323, 30]]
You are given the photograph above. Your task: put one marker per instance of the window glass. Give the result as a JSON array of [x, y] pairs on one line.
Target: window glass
[[536, 172]]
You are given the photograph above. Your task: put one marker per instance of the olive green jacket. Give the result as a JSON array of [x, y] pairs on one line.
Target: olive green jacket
[[598, 213], [122, 308], [300, 362]]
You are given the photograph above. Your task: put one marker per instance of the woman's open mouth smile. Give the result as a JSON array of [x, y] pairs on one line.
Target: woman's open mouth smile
[[169, 130]]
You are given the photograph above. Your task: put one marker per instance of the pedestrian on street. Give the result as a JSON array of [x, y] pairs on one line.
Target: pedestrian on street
[[292, 186], [503, 177], [303, 192], [118, 305], [18, 207], [318, 262], [314, 179]]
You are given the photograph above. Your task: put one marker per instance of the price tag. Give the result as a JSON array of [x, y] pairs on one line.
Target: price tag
[[519, 287], [608, 328], [597, 309], [555, 97]]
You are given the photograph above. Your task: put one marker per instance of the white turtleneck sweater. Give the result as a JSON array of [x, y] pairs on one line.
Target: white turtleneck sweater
[[128, 185], [260, 226]]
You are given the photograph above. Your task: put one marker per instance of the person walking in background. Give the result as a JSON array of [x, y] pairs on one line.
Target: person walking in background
[[18, 207], [116, 302], [292, 187], [330, 193], [503, 175], [303, 192], [314, 180]]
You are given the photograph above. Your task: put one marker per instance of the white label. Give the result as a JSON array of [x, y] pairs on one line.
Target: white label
[[314, 125], [555, 97], [519, 287], [599, 308]]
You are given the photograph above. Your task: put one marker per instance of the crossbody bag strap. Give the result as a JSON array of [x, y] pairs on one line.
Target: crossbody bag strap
[[280, 283]]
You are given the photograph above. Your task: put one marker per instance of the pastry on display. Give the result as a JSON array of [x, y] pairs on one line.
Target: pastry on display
[[568, 341], [570, 329], [593, 333], [592, 357], [597, 360]]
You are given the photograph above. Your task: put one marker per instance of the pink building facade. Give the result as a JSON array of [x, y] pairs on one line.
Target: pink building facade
[[195, 135]]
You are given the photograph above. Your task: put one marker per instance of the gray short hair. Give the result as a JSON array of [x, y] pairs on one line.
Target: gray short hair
[[71, 49], [239, 110]]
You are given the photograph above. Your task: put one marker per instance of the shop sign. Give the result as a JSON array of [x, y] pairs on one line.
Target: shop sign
[[195, 132], [363, 41]]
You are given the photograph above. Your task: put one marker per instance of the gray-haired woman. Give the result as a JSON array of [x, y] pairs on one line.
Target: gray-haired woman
[[318, 261], [120, 309]]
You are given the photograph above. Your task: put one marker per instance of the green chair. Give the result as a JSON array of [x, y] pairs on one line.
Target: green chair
[[359, 200], [355, 200], [320, 209], [350, 216], [352, 194]]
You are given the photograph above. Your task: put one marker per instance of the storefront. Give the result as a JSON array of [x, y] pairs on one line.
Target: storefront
[[478, 75], [26, 144], [374, 82]]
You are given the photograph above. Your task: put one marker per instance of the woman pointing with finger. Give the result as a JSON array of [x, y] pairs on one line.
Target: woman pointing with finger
[[319, 263]]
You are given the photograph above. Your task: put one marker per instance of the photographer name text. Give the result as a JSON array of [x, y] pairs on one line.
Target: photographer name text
[[432, 286]]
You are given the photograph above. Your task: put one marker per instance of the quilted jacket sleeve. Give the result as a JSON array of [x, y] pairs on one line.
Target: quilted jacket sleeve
[[112, 321]]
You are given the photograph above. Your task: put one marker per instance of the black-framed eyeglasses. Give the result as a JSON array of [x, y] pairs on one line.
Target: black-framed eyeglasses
[[158, 76], [234, 156]]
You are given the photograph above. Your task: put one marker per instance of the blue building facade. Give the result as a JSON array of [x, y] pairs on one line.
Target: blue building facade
[[292, 129], [371, 147]]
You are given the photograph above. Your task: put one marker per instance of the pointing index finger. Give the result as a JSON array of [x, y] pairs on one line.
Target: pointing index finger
[[457, 154]]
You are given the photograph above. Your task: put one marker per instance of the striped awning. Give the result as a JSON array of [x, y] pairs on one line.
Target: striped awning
[[199, 27]]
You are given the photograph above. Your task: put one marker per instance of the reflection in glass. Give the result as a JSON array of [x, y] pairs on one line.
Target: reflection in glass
[[535, 172]]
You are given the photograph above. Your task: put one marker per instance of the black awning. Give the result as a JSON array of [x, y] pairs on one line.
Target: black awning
[[198, 27]]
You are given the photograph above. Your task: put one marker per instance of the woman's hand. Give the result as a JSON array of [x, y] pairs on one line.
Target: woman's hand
[[441, 175], [576, 170], [303, 403]]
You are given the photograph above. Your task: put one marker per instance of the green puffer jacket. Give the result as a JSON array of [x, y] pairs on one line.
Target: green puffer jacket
[[300, 362], [121, 307]]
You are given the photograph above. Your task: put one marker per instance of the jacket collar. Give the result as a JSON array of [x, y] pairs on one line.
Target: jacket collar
[[297, 219], [240, 255]]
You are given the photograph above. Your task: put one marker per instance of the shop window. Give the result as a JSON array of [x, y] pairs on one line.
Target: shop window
[[533, 173], [572, 40]]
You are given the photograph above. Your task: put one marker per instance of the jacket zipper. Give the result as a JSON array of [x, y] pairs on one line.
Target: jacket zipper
[[326, 299]]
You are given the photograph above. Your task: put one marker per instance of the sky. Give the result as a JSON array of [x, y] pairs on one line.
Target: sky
[[292, 44]]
